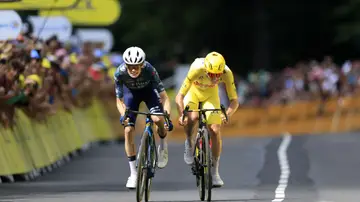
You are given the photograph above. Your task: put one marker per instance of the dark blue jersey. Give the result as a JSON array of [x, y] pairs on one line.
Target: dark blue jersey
[[148, 78]]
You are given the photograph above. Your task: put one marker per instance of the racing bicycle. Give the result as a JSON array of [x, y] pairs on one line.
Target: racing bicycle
[[147, 157], [202, 165]]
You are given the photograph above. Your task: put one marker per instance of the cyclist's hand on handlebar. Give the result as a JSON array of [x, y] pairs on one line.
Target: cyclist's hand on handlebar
[[169, 127], [223, 119], [181, 122], [124, 121]]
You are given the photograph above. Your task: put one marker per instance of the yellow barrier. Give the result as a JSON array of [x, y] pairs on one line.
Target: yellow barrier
[[295, 118], [31, 146]]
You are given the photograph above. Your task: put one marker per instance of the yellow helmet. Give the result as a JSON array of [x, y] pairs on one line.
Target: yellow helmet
[[214, 63]]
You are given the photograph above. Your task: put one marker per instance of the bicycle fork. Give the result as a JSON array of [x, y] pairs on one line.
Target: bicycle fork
[[152, 157], [149, 164]]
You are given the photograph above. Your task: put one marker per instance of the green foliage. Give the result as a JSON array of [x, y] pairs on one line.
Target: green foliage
[[165, 27], [348, 21]]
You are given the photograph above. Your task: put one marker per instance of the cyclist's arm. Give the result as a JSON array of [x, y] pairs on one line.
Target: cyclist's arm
[[159, 86], [120, 106], [166, 101], [231, 92], [119, 94]]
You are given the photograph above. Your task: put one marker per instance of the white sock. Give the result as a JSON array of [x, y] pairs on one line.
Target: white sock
[[188, 140], [163, 143], [215, 169], [133, 170]]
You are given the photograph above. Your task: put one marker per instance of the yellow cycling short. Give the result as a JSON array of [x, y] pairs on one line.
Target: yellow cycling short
[[211, 102]]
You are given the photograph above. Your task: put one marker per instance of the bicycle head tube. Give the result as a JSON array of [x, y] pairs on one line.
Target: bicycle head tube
[[148, 120]]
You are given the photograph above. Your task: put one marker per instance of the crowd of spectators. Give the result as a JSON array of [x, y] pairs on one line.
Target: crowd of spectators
[[43, 76], [306, 80]]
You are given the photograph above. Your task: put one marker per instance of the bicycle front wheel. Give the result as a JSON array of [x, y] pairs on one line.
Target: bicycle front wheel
[[207, 165], [151, 167], [199, 166], [142, 168]]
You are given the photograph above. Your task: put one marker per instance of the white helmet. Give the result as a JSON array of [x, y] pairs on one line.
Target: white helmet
[[134, 56]]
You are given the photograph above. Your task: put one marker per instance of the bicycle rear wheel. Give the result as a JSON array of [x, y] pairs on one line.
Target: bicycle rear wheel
[[142, 168], [207, 165]]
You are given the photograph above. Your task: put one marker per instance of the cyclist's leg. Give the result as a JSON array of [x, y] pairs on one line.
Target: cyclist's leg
[[131, 101], [191, 99], [153, 103], [214, 126]]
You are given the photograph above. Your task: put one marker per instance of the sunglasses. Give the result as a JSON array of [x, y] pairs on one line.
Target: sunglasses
[[213, 76], [135, 67]]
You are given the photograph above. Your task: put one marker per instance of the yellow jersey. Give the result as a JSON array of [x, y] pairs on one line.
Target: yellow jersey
[[198, 82]]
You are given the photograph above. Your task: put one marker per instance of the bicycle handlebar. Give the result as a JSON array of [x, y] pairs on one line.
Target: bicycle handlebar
[[186, 110], [165, 114]]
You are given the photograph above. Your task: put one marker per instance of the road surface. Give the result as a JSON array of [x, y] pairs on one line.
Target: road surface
[[323, 168]]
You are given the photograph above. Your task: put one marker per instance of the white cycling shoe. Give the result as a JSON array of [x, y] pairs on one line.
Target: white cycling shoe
[[131, 182], [217, 181], [163, 157], [188, 154]]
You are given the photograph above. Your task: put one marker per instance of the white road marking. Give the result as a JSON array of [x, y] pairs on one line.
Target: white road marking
[[284, 168]]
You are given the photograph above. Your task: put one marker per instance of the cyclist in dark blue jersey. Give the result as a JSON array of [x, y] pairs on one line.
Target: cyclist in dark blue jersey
[[136, 81]]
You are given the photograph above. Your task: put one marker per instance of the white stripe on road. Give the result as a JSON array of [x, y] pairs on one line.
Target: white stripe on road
[[284, 168]]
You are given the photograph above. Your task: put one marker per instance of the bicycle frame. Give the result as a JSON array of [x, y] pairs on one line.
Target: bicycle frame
[[202, 154], [151, 140], [147, 157], [202, 116], [200, 131]]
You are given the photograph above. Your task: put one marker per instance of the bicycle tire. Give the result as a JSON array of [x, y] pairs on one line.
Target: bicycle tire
[[200, 181], [208, 164], [148, 180], [141, 172]]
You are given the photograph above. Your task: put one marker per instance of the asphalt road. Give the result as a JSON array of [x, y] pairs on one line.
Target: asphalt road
[[324, 168]]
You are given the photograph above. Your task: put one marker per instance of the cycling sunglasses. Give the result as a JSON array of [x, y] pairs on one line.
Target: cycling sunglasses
[[131, 67], [213, 76]]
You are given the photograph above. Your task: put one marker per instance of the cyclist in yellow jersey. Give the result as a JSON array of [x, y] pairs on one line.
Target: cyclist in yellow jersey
[[201, 85]]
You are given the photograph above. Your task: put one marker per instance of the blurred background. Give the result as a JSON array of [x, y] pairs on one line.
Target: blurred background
[[296, 66]]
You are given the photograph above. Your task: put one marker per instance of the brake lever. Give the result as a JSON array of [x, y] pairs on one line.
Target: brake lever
[[185, 112], [126, 114], [167, 118], [224, 111]]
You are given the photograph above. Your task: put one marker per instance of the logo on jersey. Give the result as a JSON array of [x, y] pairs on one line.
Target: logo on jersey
[[202, 85]]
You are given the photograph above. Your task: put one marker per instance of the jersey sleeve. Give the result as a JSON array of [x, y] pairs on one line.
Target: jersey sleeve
[[191, 75], [230, 84], [118, 84], [155, 79]]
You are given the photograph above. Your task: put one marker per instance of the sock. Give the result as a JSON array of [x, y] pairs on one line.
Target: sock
[[215, 169], [163, 143], [132, 164]]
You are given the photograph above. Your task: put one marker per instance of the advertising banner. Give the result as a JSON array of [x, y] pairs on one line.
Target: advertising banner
[[36, 4], [90, 12], [45, 27], [10, 25]]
